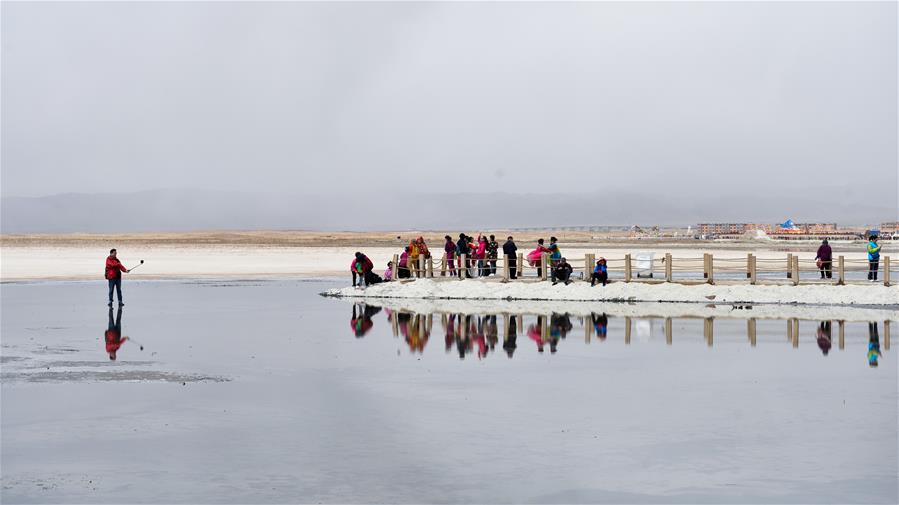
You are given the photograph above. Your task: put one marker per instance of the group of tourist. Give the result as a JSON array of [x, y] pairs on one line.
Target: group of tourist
[[824, 259], [474, 257]]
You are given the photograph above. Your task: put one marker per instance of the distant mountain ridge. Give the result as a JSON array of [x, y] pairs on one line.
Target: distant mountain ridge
[[192, 210]]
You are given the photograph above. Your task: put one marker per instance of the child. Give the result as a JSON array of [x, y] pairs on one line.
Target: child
[[600, 272], [388, 274]]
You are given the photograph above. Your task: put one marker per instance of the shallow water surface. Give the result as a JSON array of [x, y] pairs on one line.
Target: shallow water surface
[[266, 392]]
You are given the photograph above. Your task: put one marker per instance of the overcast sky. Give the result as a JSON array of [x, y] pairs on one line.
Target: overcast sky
[[693, 98]]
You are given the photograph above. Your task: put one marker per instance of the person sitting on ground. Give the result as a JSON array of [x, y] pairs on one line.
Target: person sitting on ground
[[825, 258], [388, 274], [600, 273], [562, 272]]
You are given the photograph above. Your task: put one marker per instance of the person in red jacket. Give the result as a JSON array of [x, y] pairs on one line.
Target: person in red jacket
[[114, 269]]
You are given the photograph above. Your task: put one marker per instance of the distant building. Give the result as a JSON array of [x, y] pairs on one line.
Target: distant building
[[787, 227], [892, 227]]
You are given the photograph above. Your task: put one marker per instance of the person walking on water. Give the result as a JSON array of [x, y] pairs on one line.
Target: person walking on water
[[873, 258], [825, 260], [114, 269], [511, 250]]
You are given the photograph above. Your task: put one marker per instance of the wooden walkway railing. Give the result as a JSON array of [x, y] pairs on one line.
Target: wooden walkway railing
[[683, 270]]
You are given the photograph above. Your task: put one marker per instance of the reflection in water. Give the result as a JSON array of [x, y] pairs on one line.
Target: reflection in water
[[361, 322], [479, 334], [824, 341], [114, 338], [873, 344]]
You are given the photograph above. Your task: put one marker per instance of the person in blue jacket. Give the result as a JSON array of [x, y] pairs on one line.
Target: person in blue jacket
[[873, 258], [600, 272]]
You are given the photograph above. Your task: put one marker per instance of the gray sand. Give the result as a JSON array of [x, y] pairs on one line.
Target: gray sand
[[260, 392]]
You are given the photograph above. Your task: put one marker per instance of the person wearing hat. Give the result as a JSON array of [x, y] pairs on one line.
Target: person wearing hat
[[600, 272], [873, 258]]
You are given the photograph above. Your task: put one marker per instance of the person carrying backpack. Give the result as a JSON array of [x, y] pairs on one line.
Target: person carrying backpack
[[114, 269]]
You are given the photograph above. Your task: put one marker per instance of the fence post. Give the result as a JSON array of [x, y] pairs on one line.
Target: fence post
[[627, 331], [430, 262], [421, 266], [519, 265], [627, 272], [886, 335], [842, 342], [589, 261], [795, 332], [709, 327], [841, 271], [443, 266], [750, 327], [396, 266], [588, 326], [705, 265], [711, 269], [544, 262], [789, 265], [668, 335], [789, 329], [796, 271], [463, 270], [669, 275], [753, 270], [886, 270], [749, 265], [506, 267]]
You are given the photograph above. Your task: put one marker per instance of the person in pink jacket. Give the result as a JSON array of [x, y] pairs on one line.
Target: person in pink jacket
[[481, 254]]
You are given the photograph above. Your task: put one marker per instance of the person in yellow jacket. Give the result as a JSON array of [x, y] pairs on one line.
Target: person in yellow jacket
[[414, 253]]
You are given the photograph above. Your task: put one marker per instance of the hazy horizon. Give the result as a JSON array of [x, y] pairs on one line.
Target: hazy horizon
[[651, 110]]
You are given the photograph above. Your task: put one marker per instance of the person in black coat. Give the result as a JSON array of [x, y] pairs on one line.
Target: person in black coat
[[510, 250]]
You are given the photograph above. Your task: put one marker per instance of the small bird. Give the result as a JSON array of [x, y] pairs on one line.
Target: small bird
[[710, 297]]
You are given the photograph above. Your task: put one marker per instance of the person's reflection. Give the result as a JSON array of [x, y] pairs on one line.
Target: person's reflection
[[114, 338], [509, 343], [479, 336], [600, 325], [463, 331], [873, 344], [361, 322], [535, 332], [449, 329], [824, 342], [416, 333], [491, 332]]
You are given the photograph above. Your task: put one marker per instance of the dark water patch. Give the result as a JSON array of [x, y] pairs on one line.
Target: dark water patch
[[111, 376]]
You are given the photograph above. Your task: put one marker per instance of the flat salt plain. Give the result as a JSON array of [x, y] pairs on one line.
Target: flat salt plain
[[261, 392]]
